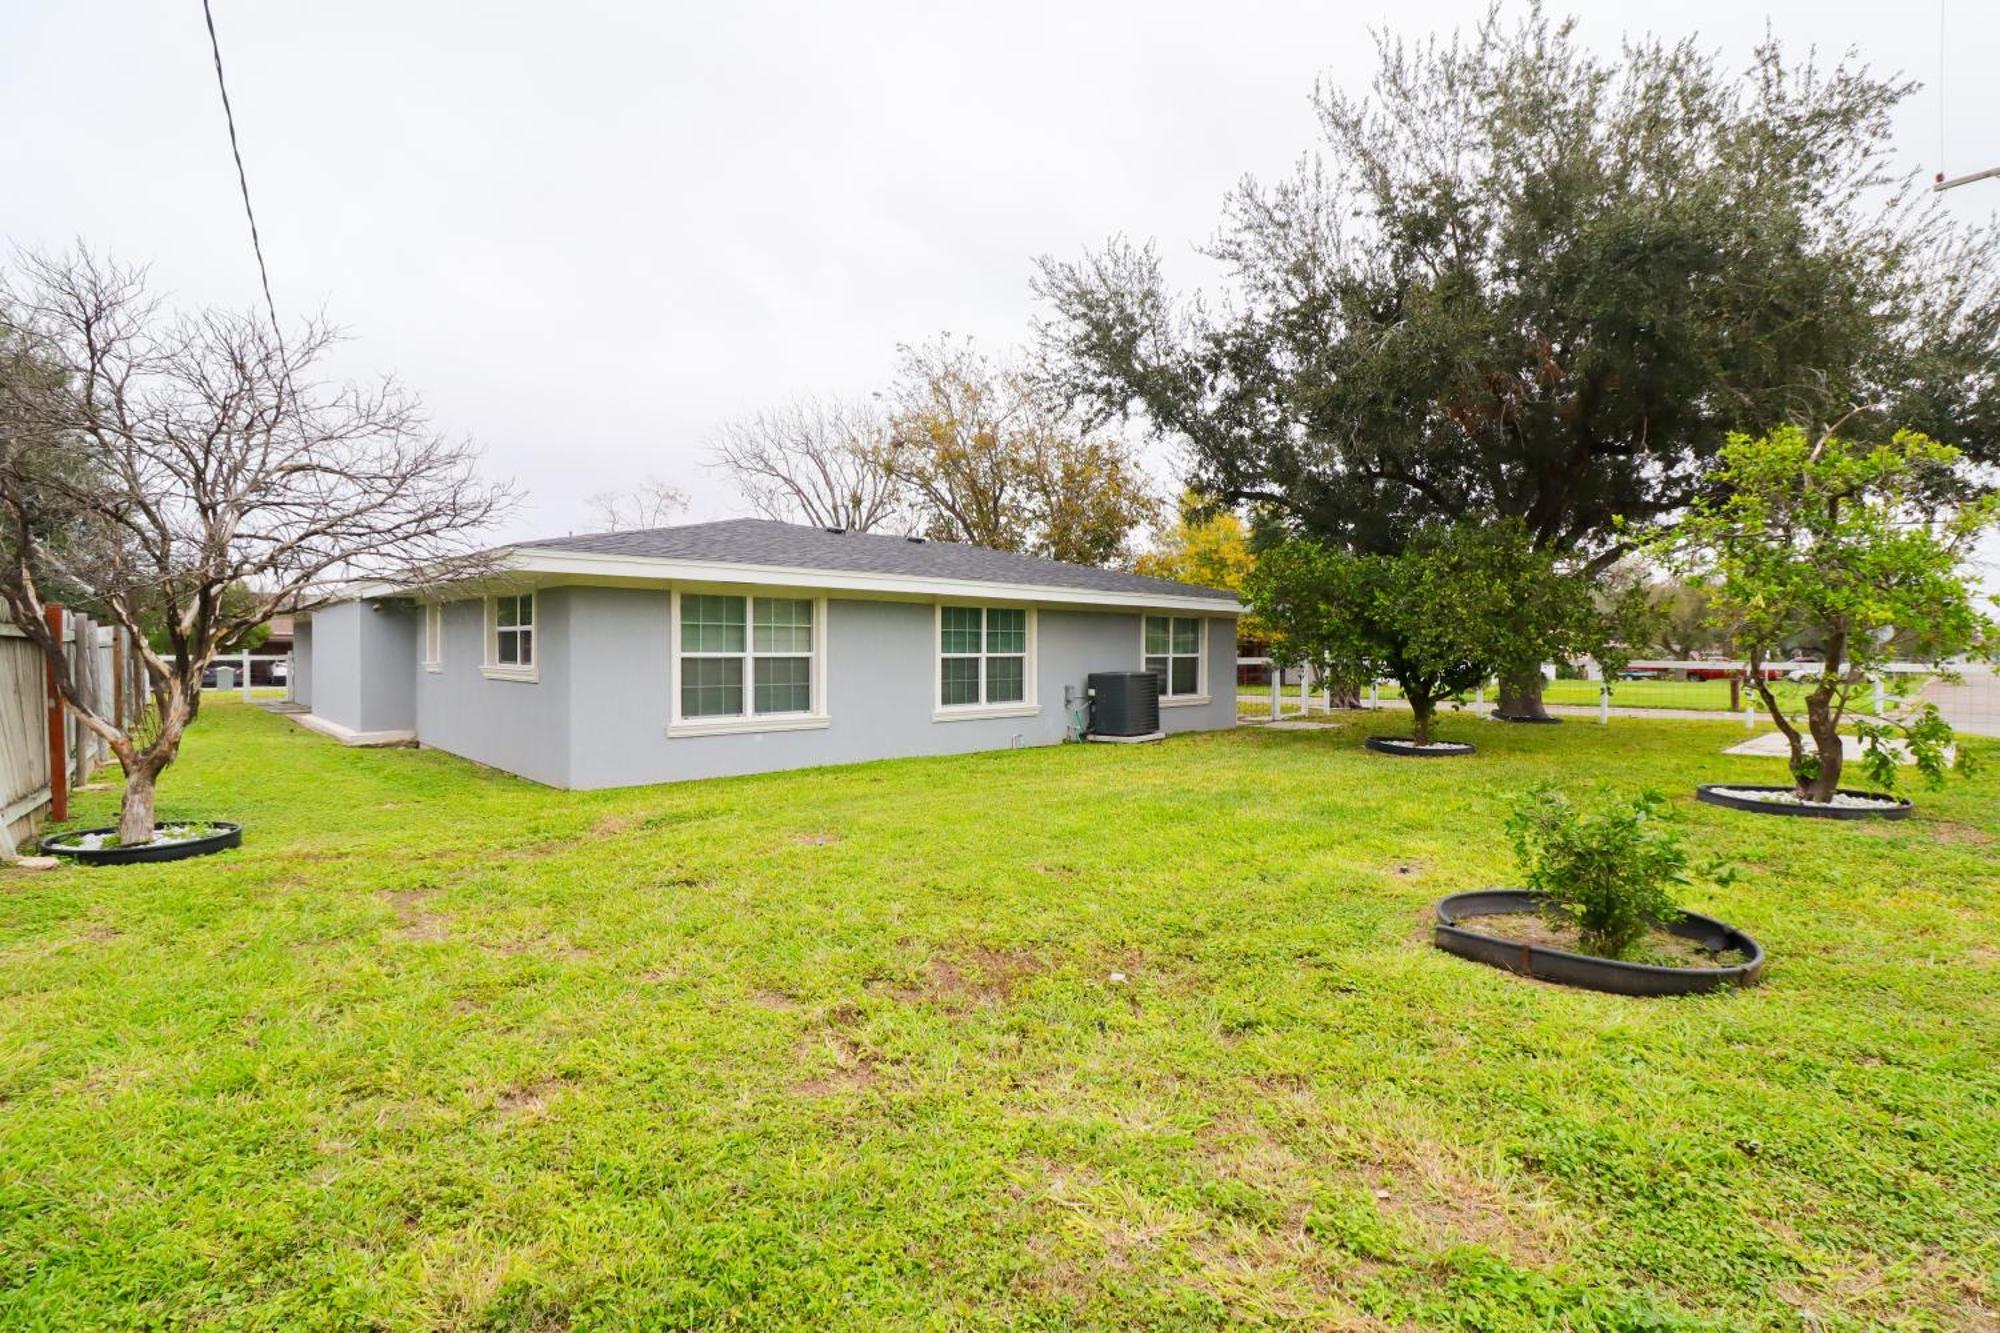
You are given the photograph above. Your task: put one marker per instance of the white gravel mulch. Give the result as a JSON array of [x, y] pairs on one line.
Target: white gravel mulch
[[1840, 799]]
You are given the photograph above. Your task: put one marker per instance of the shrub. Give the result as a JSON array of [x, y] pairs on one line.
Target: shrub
[[1608, 871]]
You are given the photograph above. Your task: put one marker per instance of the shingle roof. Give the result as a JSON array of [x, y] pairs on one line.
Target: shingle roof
[[758, 541]]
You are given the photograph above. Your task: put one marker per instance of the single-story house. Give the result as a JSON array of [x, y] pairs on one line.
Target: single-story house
[[745, 646]]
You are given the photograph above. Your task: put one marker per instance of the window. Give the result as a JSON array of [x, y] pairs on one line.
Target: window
[[1173, 653], [433, 636], [747, 657], [514, 630], [510, 637], [983, 657]]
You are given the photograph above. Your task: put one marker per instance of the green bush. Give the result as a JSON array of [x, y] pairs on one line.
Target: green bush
[[1609, 870]]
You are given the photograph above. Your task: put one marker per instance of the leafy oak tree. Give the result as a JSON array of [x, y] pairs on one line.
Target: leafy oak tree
[[1859, 548], [1436, 617], [1520, 281]]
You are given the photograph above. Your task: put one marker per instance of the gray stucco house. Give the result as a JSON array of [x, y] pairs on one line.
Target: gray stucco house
[[744, 646]]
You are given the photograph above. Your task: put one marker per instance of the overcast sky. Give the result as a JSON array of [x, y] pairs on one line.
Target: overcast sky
[[589, 232]]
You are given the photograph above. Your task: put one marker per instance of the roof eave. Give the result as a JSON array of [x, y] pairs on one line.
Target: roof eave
[[582, 564]]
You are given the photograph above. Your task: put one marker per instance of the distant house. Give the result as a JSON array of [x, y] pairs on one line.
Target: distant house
[[746, 646]]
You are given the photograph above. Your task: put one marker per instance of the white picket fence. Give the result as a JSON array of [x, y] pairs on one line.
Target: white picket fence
[[1681, 688]]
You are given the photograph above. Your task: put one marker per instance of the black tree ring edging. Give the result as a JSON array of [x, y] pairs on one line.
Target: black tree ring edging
[[1578, 969], [222, 836], [1719, 793], [1544, 720], [1405, 748]]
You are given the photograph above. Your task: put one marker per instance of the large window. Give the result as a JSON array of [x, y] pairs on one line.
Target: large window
[[982, 656], [1173, 653], [510, 637], [746, 657]]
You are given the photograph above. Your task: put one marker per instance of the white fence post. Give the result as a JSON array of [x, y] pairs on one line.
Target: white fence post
[[1374, 694], [1878, 696], [245, 656], [1277, 699], [1604, 703]]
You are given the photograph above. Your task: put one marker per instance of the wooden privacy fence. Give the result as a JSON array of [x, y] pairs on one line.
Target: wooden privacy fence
[[44, 750]]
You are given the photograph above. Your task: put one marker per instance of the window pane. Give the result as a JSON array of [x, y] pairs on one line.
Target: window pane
[[711, 686], [783, 625], [712, 625], [960, 633], [526, 654], [784, 684], [503, 608], [960, 681], [506, 651], [1006, 631], [1156, 634], [1004, 679], [526, 610], [1158, 666], [1187, 635], [1185, 674]]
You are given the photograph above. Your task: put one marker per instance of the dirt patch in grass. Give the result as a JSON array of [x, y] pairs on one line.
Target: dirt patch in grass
[[1658, 947], [542, 946], [1861, 1288], [530, 1100], [413, 923], [612, 826], [776, 1001], [980, 979], [816, 839], [855, 1064]]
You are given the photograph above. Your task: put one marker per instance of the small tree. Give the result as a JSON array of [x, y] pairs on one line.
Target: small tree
[[186, 474], [1858, 548], [1609, 872], [1439, 619]]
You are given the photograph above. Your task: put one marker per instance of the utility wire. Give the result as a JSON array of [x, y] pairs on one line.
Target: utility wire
[[243, 183]]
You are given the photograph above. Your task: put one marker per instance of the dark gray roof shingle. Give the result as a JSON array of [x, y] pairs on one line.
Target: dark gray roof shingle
[[758, 541]]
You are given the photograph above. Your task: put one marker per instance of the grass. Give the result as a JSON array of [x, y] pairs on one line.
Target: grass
[[851, 1048]]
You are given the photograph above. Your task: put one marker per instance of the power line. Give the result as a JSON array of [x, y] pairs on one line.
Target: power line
[[243, 183]]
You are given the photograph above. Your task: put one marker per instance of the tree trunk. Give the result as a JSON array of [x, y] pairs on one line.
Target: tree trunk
[[1825, 728], [1343, 694], [1521, 692], [1421, 712], [135, 811]]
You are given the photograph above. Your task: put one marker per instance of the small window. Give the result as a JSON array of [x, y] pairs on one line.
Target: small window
[[433, 635], [982, 656], [1173, 653], [514, 630], [746, 656]]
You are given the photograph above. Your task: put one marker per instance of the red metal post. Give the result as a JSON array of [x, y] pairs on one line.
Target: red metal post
[[58, 751]]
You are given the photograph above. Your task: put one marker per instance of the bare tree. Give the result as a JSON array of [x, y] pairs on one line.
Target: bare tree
[[161, 464], [812, 461], [651, 503]]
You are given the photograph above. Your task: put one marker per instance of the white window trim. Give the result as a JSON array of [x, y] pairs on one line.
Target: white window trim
[[433, 640], [747, 722], [1026, 707], [494, 669], [1201, 694]]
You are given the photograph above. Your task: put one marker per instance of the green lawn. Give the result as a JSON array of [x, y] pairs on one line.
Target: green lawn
[[439, 1048], [1707, 695]]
